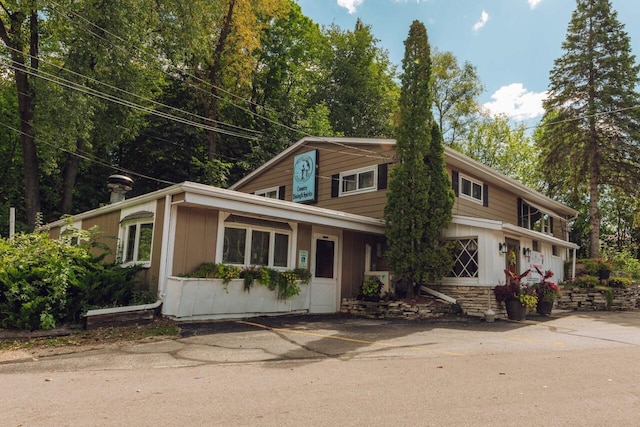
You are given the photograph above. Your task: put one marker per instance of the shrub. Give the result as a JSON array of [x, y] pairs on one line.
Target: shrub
[[620, 282], [627, 263], [583, 281], [44, 282]]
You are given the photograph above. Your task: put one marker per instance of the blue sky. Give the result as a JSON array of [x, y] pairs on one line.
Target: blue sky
[[513, 43]]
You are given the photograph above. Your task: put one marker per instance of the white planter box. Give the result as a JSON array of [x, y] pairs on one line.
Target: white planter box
[[210, 298]]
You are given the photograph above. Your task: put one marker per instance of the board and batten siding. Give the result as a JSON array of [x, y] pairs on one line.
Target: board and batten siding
[[195, 238]]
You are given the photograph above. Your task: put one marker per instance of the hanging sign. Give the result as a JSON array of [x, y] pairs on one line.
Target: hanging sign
[[304, 177]]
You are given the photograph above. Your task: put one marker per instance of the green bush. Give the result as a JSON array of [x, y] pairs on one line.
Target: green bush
[[624, 261], [583, 281], [44, 282], [620, 282]]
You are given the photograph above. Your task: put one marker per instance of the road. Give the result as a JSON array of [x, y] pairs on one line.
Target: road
[[573, 369]]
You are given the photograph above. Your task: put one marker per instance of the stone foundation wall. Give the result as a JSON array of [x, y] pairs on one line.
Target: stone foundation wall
[[589, 299]]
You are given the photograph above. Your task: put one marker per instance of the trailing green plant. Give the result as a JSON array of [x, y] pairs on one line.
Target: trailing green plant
[[203, 271], [227, 272]]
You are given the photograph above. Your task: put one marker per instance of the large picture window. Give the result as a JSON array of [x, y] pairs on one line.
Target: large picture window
[[465, 258], [245, 245], [137, 242]]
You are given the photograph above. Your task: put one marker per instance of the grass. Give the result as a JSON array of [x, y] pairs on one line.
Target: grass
[[160, 328]]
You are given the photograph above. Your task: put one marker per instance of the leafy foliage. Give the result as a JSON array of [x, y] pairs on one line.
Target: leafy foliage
[[44, 282]]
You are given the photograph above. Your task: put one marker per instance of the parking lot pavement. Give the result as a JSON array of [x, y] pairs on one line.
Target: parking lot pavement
[[572, 369]]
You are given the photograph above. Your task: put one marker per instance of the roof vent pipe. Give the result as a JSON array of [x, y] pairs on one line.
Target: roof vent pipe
[[118, 185]]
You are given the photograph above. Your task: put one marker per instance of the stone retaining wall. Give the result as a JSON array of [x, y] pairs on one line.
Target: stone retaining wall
[[589, 299], [473, 300], [427, 309]]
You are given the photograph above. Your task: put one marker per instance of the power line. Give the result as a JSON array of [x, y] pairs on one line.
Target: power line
[[168, 64], [94, 159], [89, 91]]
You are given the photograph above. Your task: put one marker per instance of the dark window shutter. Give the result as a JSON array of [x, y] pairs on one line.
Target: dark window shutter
[[455, 181], [551, 224], [485, 195], [520, 218], [335, 185], [382, 176], [281, 192]]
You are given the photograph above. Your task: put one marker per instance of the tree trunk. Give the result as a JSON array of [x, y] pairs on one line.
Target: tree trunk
[[594, 210], [69, 176], [13, 39], [214, 78]]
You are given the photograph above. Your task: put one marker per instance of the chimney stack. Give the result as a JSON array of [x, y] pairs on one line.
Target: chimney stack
[[118, 185]]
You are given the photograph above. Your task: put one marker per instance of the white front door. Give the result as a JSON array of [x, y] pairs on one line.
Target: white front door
[[324, 274]]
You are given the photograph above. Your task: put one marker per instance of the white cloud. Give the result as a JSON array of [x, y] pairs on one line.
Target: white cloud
[[534, 3], [350, 5], [483, 20], [517, 102]]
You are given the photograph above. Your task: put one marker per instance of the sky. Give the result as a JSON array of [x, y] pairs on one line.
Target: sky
[[512, 43]]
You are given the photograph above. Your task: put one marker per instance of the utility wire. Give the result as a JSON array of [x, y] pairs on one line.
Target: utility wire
[[72, 85], [94, 160], [168, 64]]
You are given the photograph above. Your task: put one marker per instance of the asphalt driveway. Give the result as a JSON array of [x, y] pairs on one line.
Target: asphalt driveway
[[571, 369]]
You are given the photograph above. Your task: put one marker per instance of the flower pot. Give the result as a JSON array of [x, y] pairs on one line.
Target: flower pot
[[544, 307], [604, 274], [515, 310]]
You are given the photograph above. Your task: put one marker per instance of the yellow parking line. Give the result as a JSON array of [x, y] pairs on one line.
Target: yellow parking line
[[314, 334]]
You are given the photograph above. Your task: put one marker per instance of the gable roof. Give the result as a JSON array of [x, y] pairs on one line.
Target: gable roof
[[453, 158]]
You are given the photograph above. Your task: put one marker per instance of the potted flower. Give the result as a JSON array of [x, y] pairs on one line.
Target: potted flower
[[516, 295], [547, 291]]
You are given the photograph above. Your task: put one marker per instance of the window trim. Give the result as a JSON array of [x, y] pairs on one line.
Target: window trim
[[125, 226], [476, 259], [357, 172], [263, 192], [472, 182], [249, 229]]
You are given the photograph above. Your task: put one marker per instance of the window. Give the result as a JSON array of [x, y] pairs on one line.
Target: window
[[536, 246], [137, 242], [358, 181], [532, 218], [555, 251], [245, 245], [465, 258], [471, 189], [270, 193]]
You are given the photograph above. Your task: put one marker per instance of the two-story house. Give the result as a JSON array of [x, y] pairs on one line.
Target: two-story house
[[319, 205]]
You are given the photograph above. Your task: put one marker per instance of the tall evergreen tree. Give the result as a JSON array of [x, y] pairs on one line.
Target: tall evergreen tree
[[593, 99], [420, 198]]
